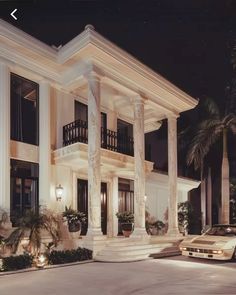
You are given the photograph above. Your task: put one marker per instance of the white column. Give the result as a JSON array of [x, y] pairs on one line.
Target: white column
[[172, 172], [94, 158], [114, 209], [139, 169], [44, 144], [4, 137]]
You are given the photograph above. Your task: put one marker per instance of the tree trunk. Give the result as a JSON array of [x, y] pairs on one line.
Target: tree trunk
[[203, 198], [209, 198], [225, 182]]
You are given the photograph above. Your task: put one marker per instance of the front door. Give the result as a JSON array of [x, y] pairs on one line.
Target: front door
[[82, 195]]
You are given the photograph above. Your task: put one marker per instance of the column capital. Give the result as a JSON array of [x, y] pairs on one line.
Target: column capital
[[44, 81], [137, 99], [6, 62], [92, 72], [172, 117]]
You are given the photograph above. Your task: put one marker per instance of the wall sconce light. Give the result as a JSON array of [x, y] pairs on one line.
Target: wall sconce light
[[145, 198], [59, 192]]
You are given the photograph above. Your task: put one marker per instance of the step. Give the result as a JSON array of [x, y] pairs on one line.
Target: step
[[134, 247], [121, 259], [127, 253]]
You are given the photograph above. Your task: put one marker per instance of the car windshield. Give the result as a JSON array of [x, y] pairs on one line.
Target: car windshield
[[221, 231]]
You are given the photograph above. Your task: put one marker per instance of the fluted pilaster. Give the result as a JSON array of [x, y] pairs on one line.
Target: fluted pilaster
[[4, 137], [44, 143]]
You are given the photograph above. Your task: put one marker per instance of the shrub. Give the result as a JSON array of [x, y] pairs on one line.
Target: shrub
[[67, 256], [126, 217], [16, 262]]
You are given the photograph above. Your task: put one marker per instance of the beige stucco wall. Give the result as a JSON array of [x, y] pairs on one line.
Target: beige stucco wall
[[157, 193], [24, 151]]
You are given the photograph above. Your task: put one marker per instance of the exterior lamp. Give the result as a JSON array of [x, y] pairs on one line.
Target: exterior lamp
[[145, 198], [41, 261], [59, 192]]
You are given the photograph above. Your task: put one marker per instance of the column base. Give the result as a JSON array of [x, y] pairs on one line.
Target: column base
[[140, 233], [94, 240], [174, 232]]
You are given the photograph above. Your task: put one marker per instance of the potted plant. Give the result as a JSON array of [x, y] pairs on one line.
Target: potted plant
[[74, 218], [126, 219], [185, 216], [156, 227]]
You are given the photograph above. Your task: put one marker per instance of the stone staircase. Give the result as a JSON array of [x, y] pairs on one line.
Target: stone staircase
[[133, 249]]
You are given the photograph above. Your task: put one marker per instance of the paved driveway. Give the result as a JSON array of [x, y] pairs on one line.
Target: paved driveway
[[178, 275]]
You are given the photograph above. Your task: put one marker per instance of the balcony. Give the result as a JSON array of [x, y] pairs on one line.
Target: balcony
[[77, 131]]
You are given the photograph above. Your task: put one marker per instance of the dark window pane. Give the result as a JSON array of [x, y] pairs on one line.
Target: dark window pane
[[24, 188], [81, 113], [24, 110]]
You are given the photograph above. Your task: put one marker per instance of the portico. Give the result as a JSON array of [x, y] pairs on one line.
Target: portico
[[96, 104]]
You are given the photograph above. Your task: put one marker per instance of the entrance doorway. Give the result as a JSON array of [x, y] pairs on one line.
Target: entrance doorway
[[82, 201], [125, 198]]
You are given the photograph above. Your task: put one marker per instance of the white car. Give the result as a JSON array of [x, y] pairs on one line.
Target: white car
[[218, 242]]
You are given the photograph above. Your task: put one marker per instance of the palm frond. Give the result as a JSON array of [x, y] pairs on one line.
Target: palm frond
[[209, 106], [206, 135], [230, 122], [14, 239]]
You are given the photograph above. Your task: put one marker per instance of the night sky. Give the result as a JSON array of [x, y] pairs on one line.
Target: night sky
[[187, 42]]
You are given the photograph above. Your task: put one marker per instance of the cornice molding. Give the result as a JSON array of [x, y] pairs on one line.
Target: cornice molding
[[23, 39]]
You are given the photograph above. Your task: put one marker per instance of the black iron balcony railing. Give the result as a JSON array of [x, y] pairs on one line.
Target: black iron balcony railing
[[77, 131]]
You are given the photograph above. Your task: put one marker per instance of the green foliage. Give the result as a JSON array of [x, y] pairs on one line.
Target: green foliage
[[125, 217], [74, 215], [67, 256], [185, 215], [158, 224], [12, 263], [33, 223], [214, 124], [233, 201]]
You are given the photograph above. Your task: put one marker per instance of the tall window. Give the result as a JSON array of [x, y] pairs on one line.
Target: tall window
[[24, 188], [24, 110]]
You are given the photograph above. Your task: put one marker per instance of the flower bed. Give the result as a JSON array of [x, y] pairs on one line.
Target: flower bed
[[12, 263], [67, 256]]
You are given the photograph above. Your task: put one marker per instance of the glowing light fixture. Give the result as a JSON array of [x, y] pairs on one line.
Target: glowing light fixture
[[59, 192], [41, 261], [145, 198]]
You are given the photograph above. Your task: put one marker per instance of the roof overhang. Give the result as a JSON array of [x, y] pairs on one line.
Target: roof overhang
[[67, 65]]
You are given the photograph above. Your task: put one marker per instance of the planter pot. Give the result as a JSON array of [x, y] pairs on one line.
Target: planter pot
[[74, 226], [127, 229]]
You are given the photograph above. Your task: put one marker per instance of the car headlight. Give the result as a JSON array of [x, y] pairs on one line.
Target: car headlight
[[183, 248], [217, 251]]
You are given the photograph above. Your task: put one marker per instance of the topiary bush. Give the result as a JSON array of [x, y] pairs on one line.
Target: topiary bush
[[16, 262], [67, 256]]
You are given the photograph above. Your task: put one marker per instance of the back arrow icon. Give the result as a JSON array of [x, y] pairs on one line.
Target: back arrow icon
[[12, 14]]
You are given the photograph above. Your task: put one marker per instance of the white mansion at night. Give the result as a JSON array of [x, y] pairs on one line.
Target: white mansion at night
[[76, 117]]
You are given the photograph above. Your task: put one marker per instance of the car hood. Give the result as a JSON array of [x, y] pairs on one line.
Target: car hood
[[210, 240]]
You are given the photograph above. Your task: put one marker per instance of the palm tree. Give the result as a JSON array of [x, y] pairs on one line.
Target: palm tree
[[32, 224], [214, 127]]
